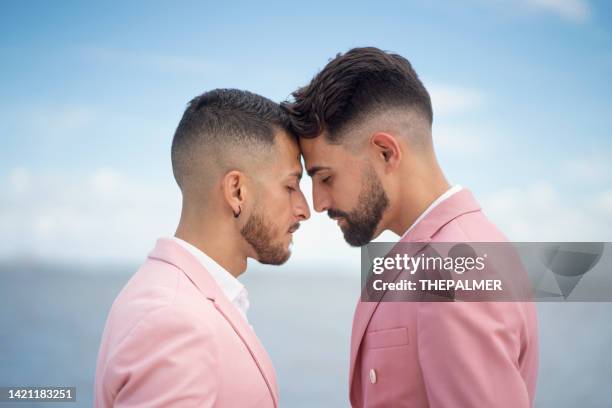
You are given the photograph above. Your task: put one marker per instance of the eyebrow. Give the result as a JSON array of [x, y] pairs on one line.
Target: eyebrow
[[315, 169]]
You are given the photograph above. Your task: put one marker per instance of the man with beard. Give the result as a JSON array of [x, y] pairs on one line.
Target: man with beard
[[177, 334], [364, 124]]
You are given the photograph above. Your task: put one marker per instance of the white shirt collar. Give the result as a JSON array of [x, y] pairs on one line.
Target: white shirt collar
[[454, 189], [230, 286]]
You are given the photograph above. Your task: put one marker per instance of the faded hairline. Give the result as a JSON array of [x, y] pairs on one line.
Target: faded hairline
[[209, 163], [406, 122]]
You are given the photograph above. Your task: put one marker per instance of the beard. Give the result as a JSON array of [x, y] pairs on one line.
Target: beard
[[361, 222], [258, 233]]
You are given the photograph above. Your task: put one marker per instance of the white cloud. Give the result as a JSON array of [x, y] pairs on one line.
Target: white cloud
[[573, 10], [19, 180], [451, 134], [102, 216], [540, 212], [588, 170], [603, 203], [449, 100], [462, 140], [108, 216], [106, 182]]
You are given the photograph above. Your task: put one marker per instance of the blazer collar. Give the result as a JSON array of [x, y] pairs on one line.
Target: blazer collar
[[460, 203], [169, 251]]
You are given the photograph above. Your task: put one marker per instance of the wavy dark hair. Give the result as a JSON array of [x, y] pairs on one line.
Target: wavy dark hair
[[352, 86]]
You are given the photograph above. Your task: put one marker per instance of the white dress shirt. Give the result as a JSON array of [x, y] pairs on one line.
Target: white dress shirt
[[230, 286], [454, 189]]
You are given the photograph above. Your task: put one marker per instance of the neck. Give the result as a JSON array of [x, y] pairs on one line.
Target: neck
[[416, 197], [217, 239]]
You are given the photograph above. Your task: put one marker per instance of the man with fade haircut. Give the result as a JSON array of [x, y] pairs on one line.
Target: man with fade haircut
[[365, 128], [177, 334]]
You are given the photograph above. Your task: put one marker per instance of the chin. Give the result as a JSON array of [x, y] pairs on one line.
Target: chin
[[355, 244], [276, 259], [357, 240]]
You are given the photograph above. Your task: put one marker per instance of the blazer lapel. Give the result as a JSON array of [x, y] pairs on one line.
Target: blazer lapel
[[248, 336], [167, 250], [460, 203], [364, 312]]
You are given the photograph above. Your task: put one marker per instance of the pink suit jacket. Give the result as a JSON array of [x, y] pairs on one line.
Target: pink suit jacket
[[437, 354], [172, 338]]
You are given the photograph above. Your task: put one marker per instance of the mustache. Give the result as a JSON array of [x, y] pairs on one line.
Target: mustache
[[294, 227], [332, 213]]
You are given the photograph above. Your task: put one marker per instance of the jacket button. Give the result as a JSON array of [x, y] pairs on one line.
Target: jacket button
[[372, 376]]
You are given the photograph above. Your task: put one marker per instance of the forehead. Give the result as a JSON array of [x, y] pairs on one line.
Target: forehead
[[286, 145], [287, 152], [318, 152]]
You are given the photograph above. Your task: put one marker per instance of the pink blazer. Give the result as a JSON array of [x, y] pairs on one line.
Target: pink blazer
[[428, 354], [172, 338]]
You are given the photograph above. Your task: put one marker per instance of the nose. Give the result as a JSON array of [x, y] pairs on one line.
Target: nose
[[320, 199], [302, 212]]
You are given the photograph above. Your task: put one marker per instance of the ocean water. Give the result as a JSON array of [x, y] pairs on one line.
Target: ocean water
[[52, 317]]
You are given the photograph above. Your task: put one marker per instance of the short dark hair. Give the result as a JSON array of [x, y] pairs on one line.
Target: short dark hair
[[220, 120], [353, 85]]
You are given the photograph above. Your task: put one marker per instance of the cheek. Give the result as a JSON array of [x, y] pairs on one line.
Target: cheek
[[279, 207], [345, 195]]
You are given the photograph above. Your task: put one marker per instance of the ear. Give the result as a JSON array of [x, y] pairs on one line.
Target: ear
[[386, 150], [234, 190]]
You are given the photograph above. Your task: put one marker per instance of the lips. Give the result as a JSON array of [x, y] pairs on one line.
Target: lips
[[294, 228]]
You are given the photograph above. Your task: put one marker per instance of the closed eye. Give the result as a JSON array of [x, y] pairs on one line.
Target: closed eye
[[326, 179]]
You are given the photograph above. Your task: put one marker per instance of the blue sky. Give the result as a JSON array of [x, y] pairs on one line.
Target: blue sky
[[92, 94]]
